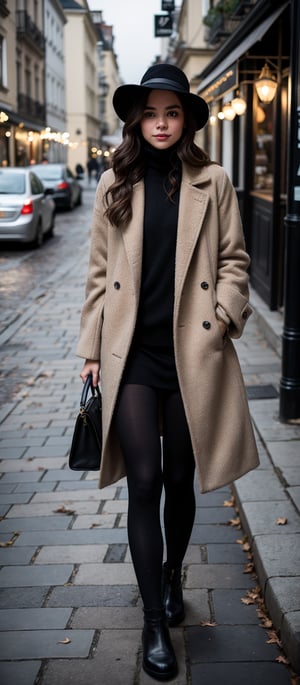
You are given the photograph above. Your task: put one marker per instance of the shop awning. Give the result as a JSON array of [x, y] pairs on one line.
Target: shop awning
[[250, 40]]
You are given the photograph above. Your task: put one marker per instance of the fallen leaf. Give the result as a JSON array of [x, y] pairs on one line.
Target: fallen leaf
[[273, 638], [229, 502], [66, 641], [95, 525], [64, 510], [281, 521], [208, 624], [248, 568], [254, 595], [235, 522], [246, 547], [247, 600], [46, 374], [282, 660], [267, 623], [10, 542]]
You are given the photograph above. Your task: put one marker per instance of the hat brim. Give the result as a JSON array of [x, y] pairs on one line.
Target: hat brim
[[125, 96]]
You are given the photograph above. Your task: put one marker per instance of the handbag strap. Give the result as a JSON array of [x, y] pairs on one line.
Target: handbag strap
[[88, 386]]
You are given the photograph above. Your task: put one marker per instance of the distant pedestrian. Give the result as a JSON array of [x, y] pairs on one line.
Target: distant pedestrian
[[167, 289], [92, 168], [79, 170]]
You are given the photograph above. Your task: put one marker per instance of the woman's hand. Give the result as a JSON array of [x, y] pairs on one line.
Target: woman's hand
[[92, 367]]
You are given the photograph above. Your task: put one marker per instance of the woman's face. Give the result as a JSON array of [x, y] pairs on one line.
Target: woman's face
[[163, 119]]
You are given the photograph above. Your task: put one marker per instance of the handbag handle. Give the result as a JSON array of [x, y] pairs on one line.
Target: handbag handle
[[88, 385]]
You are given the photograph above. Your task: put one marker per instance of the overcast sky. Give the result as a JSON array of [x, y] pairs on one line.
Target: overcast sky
[[133, 22]]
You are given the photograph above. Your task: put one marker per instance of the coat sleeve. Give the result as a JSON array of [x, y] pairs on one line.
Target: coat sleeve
[[232, 279], [92, 312]]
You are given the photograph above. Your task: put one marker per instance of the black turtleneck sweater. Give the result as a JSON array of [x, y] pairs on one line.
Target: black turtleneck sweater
[[151, 359]]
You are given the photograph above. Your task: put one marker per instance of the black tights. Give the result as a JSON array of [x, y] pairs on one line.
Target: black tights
[[137, 423]]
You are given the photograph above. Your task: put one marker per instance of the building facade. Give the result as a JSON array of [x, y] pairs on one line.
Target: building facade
[[81, 82], [22, 91], [54, 136], [108, 81]]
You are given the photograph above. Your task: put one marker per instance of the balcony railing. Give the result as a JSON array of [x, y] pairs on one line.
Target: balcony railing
[[224, 17], [26, 28], [29, 108]]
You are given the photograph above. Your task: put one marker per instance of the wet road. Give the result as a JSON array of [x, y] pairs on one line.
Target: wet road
[[27, 275]]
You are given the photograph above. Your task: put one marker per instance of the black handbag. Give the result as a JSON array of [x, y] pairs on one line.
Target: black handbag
[[85, 452]]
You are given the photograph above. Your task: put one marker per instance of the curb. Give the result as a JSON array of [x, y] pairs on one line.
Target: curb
[[270, 543]]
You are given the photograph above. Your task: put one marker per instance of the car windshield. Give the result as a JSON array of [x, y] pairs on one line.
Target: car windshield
[[49, 172], [12, 184]]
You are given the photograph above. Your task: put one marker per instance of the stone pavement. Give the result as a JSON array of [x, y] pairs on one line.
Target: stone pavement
[[70, 610]]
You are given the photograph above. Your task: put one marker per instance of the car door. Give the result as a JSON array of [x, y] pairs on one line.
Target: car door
[[42, 207]]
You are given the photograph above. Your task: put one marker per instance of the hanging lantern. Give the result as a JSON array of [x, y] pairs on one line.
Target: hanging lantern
[[239, 105], [228, 111], [266, 85]]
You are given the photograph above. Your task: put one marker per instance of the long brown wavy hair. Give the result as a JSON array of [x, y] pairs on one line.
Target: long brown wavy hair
[[128, 161]]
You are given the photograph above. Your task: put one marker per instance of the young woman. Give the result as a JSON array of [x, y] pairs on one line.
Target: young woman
[[167, 289]]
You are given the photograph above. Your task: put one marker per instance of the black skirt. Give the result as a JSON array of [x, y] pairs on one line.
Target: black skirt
[[151, 366]]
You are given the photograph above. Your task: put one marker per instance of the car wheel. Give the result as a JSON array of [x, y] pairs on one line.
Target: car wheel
[[39, 237]]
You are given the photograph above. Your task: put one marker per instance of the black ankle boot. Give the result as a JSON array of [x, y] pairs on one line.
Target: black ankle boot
[[159, 659], [172, 595]]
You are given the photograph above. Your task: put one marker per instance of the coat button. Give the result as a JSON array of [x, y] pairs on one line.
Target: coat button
[[117, 285], [206, 325], [204, 285], [244, 315]]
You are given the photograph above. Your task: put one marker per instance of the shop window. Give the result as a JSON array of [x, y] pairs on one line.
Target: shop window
[[263, 161]]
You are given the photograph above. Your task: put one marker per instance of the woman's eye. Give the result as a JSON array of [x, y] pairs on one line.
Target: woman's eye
[[148, 115], [173, 114]]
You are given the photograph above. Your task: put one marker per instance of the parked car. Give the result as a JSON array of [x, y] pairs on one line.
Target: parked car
[[67, 191], [27, 210]]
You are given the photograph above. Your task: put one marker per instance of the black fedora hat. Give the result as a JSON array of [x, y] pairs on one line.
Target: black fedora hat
[[161, 77]]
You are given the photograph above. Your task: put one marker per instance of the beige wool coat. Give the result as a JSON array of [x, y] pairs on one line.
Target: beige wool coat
[[210, 281]]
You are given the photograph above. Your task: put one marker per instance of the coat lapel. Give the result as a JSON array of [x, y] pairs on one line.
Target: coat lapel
[[192, 208], [133, 235]]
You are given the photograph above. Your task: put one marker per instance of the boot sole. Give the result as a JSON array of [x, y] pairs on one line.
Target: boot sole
[[160, 676]]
